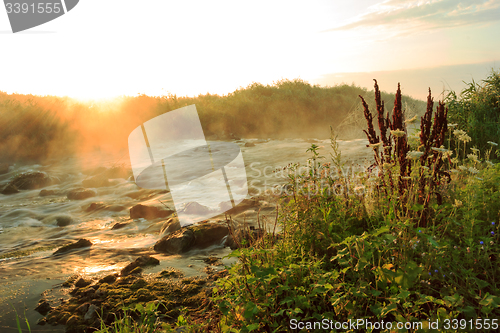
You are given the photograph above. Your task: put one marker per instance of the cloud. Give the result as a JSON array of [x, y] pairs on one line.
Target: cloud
[[411, 14]]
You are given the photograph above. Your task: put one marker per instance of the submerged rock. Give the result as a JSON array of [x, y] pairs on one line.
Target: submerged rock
[[45, 193], [32, 180], [196, 209], [142, 261], [64, 220], [81, 194], [10, 189], [200, 235], [82, 243], [98, 206], [149, 212], [43, 307]]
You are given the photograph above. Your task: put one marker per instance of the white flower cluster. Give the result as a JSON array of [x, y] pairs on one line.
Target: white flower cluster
[[414, 155], [398, 133], [462, 136]]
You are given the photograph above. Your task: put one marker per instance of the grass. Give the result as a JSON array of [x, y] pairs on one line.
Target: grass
[[37, 128]]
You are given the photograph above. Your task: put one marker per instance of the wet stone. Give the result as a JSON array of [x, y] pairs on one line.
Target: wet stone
[[82, 243], [142, 261], [81, 194], [43, 307]]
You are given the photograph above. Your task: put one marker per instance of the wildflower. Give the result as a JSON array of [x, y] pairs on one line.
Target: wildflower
[[414, 155], [452, 125], [475, 150], [398, 133], [491, 242], [420, 231], [406, 178], [468, 250], [435, 271], [492, 223], [490, 163], [439, 150], [454, 160], [454, 170], [472, 157], [447, 154], [479, 178], [459, 132], [492, 232], [473, 170], [492, 143], [463, 168], [457, 203], [411, 120], [375, 146], [424, 167], [430, 273], [481, 242]]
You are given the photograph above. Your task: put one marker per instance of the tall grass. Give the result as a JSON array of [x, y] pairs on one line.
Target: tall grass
[[35, 128]]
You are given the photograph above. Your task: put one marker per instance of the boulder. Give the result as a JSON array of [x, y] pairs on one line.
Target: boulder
[[9, 189], [81, 194], [119, 225], [169, 226], [43, 307], [249, 144], [82, 243], [142, 261], [45, 193], [32, 180], [91, 313], [98, 206], [200, 235], [64, 220], [149, 212]]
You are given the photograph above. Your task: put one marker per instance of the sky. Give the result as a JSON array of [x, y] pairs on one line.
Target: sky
[[103, 49]]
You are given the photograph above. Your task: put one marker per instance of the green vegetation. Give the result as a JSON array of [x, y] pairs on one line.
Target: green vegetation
[[35, 128], [477, 111]]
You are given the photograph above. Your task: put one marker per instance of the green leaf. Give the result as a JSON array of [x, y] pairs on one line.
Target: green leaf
[[252, 327]]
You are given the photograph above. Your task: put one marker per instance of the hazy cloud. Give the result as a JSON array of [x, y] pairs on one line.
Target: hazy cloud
[[411, 14]]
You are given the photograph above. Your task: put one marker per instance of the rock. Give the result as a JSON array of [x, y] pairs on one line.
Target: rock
[[244, 205], [250, 236], [169, 226], [95, 206], [97, 181], [119, 225], [45, 193], [81, 283], [10, 189], [74, 319], [43, 307], [249, 144], [42, 321], [108, 279], [82, 243], [63, 221], [149, 212], [195, 236], [177, 242], [81, 194], [32, 180], [142, 261], [83, 308], [91, 313], [115, 208]]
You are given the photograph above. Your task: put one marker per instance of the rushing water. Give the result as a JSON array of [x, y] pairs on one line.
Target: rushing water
[[28, 221]]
